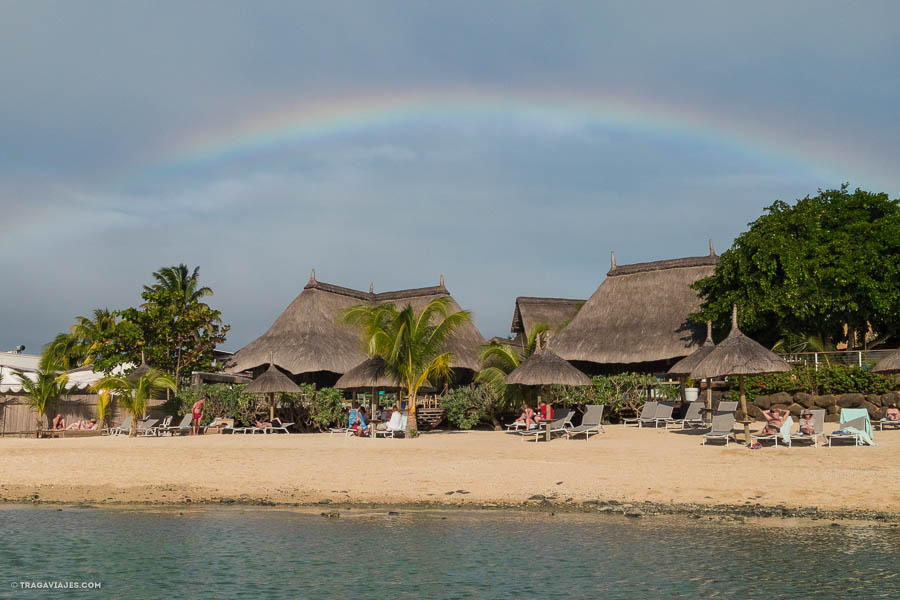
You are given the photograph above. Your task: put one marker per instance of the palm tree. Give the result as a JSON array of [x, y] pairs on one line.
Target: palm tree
[[95, 333], [181, 283], [43, 392], [134, 394], [411, 343], [65, 350], [499, 360]]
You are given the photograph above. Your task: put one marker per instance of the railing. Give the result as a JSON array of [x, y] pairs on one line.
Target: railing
[[859, 358]]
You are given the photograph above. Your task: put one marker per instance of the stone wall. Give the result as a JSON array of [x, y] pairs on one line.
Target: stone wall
[[875, 403]]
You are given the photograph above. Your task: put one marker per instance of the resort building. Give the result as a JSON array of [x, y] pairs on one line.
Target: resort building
[[309, 341], [530, 312], [637, 320]]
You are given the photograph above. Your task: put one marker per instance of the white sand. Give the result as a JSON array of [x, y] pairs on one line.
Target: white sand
[[623, 464]]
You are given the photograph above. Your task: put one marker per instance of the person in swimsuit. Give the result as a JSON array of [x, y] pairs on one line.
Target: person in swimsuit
[[197, 413], [59, 422], [775, 419], [807, 425]]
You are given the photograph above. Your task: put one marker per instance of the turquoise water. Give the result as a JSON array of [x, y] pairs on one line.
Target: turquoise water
[[269, 553]]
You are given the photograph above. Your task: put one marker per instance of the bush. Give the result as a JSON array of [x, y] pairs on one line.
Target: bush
[[828, 379], [464, 406], [222, 400]]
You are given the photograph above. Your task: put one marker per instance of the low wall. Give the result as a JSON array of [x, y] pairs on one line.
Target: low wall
[[795, 403]]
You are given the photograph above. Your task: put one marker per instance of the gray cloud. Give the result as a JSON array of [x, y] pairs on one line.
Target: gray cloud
[[501, 206]]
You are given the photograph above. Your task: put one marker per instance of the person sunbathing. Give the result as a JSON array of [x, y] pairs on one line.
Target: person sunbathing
[[775, 419], [892, 415], [807, 425], [59, 422]]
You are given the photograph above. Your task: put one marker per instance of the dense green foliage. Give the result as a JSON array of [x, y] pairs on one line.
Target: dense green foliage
[[44, 392], [411, 343], [498, 360], [310, 410], [810, 269], [173, 330], [133, 395], [828, 379], [463, 407]]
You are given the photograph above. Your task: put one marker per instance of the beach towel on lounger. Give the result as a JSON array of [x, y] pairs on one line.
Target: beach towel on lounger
[[785, 431]]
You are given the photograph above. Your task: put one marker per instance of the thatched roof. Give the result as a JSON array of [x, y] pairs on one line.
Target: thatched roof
[[370, 374], [139, 372], [544, 367], [688, 363], [889, 364], [553, 312], [739, 355], [309, 337], [273, 381], [639, 314]]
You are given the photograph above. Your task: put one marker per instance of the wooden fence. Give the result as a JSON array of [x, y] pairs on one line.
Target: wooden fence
[[16, 416]]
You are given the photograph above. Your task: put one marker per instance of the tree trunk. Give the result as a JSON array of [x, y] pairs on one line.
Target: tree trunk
[[134, 423], [498, 426], [411, 424]]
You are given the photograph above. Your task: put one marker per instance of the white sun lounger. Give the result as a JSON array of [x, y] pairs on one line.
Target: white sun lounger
[[396, 426], [183, 427], [648, 414], [818, 418], [693, 416], [722, 428], [560, 422], [591, 422], [663, 414]]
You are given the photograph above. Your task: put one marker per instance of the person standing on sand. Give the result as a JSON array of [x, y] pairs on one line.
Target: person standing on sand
[[197, 411]]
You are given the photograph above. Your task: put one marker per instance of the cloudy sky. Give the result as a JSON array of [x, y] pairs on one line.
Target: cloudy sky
[[506, 145]]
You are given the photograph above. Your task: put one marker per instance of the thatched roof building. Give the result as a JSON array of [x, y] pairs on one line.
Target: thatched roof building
[[556, 313], [637, 320], [309, 341]]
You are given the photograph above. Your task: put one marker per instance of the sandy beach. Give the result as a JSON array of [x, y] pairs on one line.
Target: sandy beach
[[469, 468]]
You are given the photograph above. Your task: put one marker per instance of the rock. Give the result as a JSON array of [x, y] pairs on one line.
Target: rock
[[462, 491], [325, 501], [826, 401], [890, 399], [782, 398], [331, 515], [393, 513], [763, 401], [755, 412], [538, 497], [833, 409], [873, 410], [874, 399], [795, 410], [634, 513], [227, 500], [805, 400], [850, 400], [832, 418]]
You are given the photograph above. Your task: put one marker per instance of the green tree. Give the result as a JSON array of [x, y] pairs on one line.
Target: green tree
[[499, 360], [411, 343], [827, 262], [87, 342], [134, 394], [43, 392], [181, 284]]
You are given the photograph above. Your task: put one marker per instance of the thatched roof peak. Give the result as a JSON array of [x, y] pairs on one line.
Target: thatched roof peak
[[889, 364], [553, 312], [739, 355], [309, 337], [639, 314], [273, 381], [687, 364], [544, 367]]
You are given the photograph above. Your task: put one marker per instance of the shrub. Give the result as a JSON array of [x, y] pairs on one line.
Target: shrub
[[828, 379], [463, 406]]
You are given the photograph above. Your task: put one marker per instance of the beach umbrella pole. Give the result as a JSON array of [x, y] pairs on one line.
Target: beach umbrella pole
[[709, 399], [745, 417]]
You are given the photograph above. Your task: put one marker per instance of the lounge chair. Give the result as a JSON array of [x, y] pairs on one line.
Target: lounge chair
[[591, 422], [273, 428], [561, 421], [727, 407], [663, 414], [123, 427], [333, 430], [648, 413], [396, 426], [147, 427], [162, 426], [855, 425], [693, 416], [722, 428], [183, 427], [784, 432], [818, 418], [515, 425], [885, 422]]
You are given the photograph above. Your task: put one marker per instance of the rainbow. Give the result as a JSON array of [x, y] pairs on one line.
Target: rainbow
[[308, 121]]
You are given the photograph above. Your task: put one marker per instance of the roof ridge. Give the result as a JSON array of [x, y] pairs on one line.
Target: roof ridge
[[660, 265], [337, 289], [412, 292], [547, 299]]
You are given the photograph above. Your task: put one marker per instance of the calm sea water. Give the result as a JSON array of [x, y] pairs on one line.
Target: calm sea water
[[268, 553]]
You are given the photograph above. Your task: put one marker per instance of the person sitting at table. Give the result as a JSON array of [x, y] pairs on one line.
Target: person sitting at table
[[775, 418]]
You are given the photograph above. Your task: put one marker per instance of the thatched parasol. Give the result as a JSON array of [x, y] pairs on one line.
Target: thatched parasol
[[371, 373], [687, 364], [272, 382], [889, 364], [142, 370], [544, 367], [739, 355]]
